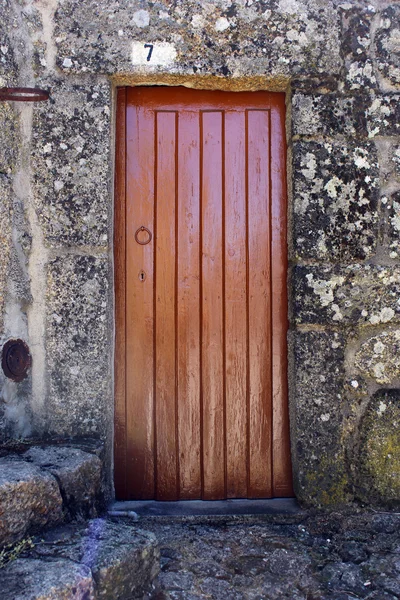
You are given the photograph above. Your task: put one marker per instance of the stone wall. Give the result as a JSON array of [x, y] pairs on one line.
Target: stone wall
[[339, 63]]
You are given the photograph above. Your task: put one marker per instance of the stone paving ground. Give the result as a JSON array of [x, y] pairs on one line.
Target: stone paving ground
[[308, 556]]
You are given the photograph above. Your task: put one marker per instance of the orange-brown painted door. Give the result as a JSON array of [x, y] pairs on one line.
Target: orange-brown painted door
[[201, 305]]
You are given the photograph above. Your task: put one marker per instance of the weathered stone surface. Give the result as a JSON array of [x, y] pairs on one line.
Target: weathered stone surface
[[387, 44], [9, 139], [29, 499], [123, 559], [335, 200], [383, 116], [356, 44], [356, 294], [389, 162], [324, 556], [77, 473], [327, 114], [317, 423], [311, 554], [71, 163], [29, 579], [8, 65], [78, 355], [390, 224], [99, 560], [341, 60], [379, 455], [5, 235], [209, 38], [396, 159], [379, 357]]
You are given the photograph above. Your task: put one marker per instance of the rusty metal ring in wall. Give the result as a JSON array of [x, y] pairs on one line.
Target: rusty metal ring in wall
[[143, 228]]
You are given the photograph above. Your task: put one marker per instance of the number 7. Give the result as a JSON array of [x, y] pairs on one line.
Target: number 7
[[150, 51]]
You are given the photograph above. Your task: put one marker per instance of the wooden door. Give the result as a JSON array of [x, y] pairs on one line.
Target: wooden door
[[201, 304]]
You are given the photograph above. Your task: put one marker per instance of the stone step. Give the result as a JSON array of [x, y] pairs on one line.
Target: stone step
[[45, 486], [103, 560]]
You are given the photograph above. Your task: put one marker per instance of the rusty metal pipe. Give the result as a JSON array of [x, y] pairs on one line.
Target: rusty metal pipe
[[23, 94]]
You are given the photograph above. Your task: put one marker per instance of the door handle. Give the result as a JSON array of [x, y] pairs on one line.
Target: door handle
[[146, 241]]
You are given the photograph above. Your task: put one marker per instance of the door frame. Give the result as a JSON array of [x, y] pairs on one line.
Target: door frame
[[279, 209]]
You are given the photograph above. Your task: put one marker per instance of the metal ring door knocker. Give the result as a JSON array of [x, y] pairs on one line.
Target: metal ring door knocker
[[143, 228]]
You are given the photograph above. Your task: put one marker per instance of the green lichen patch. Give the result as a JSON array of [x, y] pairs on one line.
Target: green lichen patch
[[318, 421], [13, 551], [379, 458]]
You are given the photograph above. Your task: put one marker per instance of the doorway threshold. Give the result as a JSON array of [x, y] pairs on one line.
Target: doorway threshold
[[209, 508]]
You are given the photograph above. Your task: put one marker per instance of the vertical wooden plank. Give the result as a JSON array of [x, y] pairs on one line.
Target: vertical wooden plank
[[259, 305], [188, 290], [139, 301], [212, 308], [119, 270], [165, 335], [235, 298], [282, 468]]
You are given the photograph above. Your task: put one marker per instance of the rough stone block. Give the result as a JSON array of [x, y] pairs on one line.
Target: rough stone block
[[389, 161], [317, 427], [29, 579], [356, 45], [379, 456], [77, 473], [9, 139], [78, 346], [379, 357], [9, 71], [209, 38], [29, 499], [5, 240], [327, 114], [357, 294], [396, 159], [390, 224], [383, 116], [71, 158], [101, 560], [387, 44], [335, 200], [123, 560]]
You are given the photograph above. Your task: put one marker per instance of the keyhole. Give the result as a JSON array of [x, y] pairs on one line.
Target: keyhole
[[142, 276]]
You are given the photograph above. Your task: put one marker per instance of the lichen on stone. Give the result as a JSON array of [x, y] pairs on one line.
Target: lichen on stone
[[387, 42], [379, 357], [354, 294], [378, 477], [335, 199], [72, 163], [383, 116]]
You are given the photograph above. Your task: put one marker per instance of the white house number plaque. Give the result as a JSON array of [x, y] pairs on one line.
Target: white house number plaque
[[157, 53]]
